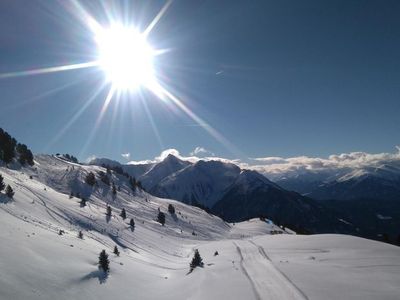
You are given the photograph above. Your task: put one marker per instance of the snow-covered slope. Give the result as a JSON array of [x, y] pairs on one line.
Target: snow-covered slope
[[37, 263]]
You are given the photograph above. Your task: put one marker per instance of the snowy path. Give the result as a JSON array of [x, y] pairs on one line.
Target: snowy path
[[266, 280]]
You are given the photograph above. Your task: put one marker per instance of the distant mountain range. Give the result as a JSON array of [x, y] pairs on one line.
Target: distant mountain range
[[233, 193]]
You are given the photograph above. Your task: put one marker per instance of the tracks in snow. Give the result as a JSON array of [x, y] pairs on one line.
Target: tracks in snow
[[266, 280]]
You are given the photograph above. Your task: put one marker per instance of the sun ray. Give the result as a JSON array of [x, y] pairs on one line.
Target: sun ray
[[151, 119], [75, 117], [93, 132], [153, 23], [49, 70], [165, 94]]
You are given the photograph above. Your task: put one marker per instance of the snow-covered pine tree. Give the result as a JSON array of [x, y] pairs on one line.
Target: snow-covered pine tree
[[116, 251], [123, 214], [161, 218], [171, 209], [90, 179], [9, 191], [104, 262], [197, 261]]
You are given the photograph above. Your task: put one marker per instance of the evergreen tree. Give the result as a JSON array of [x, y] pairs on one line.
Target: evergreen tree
[[123, 214], [83, 202], [90, 179], [161, 218], [71, 195], [116, 251], [7, 147], [171, 209], [2, 184], [104, 178], [197, 261], [9, 191], [114, 189], [104, 263], [132, 223], [108, 213], [80, 234], [139, 185], [132, 182], [24, 154]]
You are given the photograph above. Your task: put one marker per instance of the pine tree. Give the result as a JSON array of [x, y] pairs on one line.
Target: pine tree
[[80, 234], [90, 179], [171, 209], [123, 214], [25, 155], [116, 251], [83, 202], [114, 190], [2, 184], [197, 261], [108, 213], [104, 263], [161, 218], [9, 191], [132, 223]]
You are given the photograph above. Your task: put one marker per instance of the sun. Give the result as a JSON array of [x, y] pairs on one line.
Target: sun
[[125, 56]]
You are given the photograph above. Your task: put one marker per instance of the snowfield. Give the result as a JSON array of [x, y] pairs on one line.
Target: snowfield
[[38, 263]]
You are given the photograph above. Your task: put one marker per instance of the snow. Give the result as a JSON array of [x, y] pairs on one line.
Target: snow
[[37, 263]]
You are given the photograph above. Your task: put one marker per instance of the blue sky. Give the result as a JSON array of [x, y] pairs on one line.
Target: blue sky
[[275, 78]]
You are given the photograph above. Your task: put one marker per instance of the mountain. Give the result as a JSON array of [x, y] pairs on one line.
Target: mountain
[[368, 197], [159, 171], [381, 181], [203, 182], [315, 203], [252, 194], [43, 258], [374, 183], [134, 170]]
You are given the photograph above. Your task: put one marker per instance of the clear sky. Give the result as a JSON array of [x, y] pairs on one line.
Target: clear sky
[[274, 78]]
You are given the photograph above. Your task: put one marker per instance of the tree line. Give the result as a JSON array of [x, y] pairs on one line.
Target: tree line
[[10, 149]]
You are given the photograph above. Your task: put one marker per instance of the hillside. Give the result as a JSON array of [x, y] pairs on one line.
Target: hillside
[[38, 263]]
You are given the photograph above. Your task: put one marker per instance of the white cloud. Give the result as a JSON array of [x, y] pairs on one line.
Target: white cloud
[[90, 158], [167, 152], [273, 166], [201, 151], [126, 155], [276, 167]]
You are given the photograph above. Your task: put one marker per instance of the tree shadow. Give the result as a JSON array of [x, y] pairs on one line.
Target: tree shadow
[[174, 217], [99, 274], [5, 199], [108, 218]]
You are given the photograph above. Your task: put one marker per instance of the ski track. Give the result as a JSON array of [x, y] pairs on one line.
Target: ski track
[[266, 280]]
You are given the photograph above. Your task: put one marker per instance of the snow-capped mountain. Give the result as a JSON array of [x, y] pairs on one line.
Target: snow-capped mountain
[[379, 182], [203, 182], [253, 194], [168, 166]]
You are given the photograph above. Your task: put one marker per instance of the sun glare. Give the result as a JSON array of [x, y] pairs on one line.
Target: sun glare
[[125, 57]]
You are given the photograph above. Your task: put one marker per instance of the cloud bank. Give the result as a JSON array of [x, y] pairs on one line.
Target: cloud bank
[[278, 167]]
